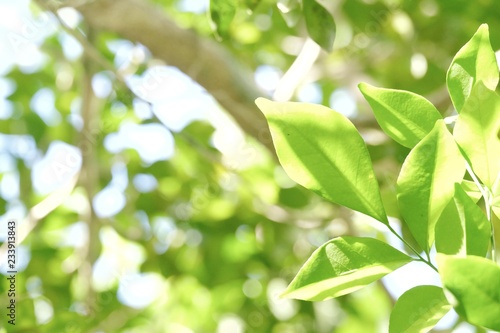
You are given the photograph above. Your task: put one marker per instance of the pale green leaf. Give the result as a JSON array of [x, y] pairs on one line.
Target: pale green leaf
[[472, 190], [404, 116], [319, 23], [321, 150], [418, 310], [222, 13], [473, 284], [477, 133], [463, 227], [474, 62], [426, 182], [344, 265]]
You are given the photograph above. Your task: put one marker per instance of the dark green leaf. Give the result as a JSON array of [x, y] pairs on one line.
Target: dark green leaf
[[320, 24]]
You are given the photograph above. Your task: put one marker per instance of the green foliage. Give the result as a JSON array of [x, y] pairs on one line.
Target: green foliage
[[406, 117], [473, 284], [474, 62], [477, 132], [321, 150], [418, 310], [426, 182], [319, 23], [344, 265], [222, 238], [462, 228]]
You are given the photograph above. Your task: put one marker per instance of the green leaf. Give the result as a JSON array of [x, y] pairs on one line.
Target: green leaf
[[495, 201], [321, 150], [343, 265], [418, 310], [474, 62], [471, 189], [477, 133], [473, 284], [404, 116], [320, 24], [463, 227], [426, 182], [222, 13]]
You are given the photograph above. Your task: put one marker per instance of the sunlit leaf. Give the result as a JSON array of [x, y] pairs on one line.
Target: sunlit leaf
[[426, 182], [404, 116], [418, 310], [321, 150], [320, 24], [344, 265], [463, 227], [474, 288], [477, 133], [472, 190], [474, 62]]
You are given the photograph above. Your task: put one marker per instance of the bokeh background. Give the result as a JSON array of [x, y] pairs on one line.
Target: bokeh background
[[142, 176]]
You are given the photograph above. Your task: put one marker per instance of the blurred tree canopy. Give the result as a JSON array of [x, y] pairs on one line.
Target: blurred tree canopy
[[143, 177]]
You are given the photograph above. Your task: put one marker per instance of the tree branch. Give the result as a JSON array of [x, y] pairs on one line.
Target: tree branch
[[200, 58]]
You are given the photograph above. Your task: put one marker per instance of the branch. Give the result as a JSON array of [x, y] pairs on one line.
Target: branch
[[89, 177], [200, 58]]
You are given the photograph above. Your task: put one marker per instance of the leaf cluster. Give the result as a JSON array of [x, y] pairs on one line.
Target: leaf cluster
[[447, 172]]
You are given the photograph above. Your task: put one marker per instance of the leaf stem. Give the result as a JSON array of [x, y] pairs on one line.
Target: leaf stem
[[487, 205], [428, 261]]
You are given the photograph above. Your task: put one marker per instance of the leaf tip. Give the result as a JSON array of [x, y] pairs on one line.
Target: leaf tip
[[484, 27], [366, 88], [285, 294], [263, 104], [362, 86]]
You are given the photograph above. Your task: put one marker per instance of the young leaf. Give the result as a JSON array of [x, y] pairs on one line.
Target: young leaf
[[343, 265], [473, 284], [426, 182], [321, 150], [463, 227], [477, 132], [418, 310], [320, 24], [474, 62], [404, 116], [222, 13]]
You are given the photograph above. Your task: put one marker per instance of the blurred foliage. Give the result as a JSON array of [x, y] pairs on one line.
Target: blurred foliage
[[221, 241]]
